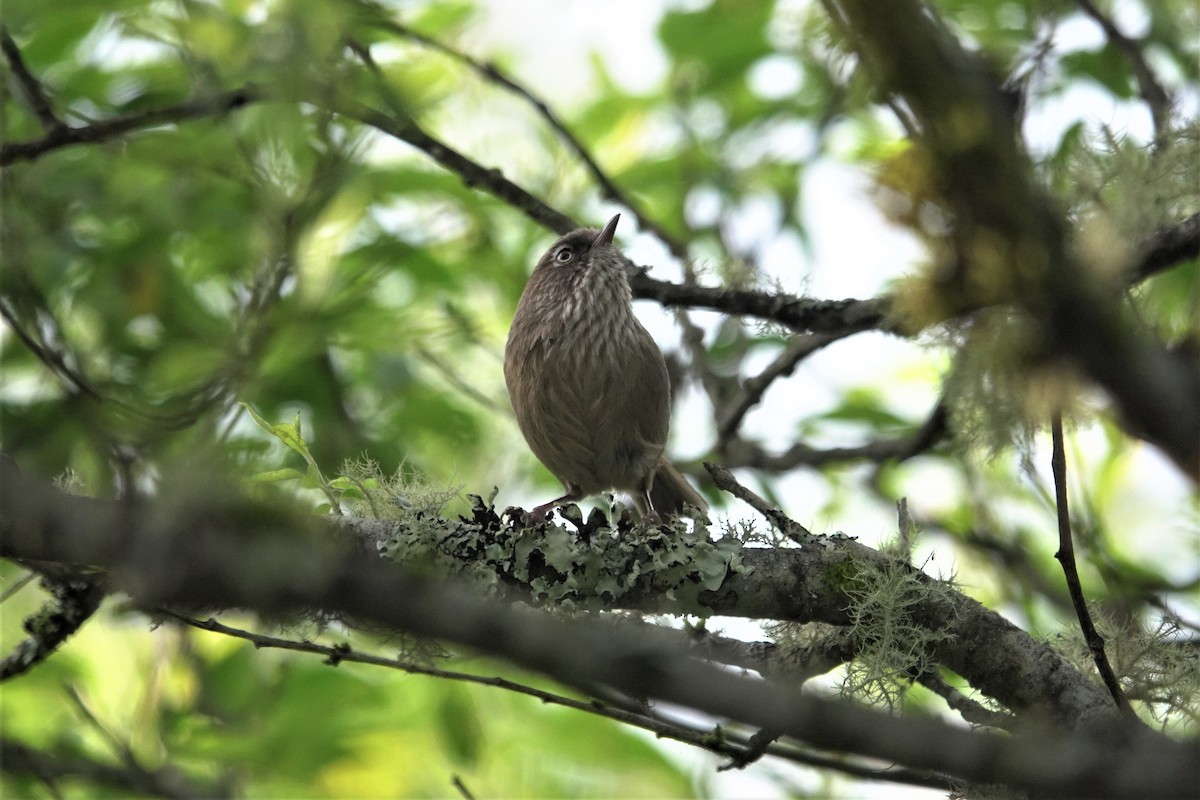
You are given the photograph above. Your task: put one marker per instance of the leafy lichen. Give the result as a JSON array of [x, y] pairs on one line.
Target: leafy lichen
[[594, 566]]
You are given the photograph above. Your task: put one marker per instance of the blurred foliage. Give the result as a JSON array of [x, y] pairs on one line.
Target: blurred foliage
[[288, 258]]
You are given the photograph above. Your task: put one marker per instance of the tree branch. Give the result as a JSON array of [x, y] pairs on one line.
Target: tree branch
[[1066, 557], [753, 388], [21, 759], [1151, 89], [73, 603], [1167, 247], [801, 314], [608, 188], [35, 93], [97, 132], [1001, 211], [742, 454], [184, 553]]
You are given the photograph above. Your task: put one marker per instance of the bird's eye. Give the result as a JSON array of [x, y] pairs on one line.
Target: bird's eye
[[564, 255]]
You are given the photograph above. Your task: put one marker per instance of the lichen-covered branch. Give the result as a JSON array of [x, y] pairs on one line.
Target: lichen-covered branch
[[191, 549], [1016, 236]]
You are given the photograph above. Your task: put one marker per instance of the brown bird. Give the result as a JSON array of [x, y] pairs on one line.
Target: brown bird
[[588, 383]]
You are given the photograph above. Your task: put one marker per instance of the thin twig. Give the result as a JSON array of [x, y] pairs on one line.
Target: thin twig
[[755, 387], [21, 583], [337, 654], [104, 130], [740, 453], [1066, 557], [608, 187], [473, 174], [728, 745], [461, 788], [167, 782], [1152, 91], [31, 87], [725, 480], [971, 710]]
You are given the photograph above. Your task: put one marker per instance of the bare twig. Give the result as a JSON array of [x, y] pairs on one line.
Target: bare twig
[[1066, 557], [31, 87], [48, 355], [105, 130], [21, 759], [725, 480], [1151, 89], [461, 788], [473, 174], [729, 745], [740, 453], [971, 710], [338, 654], [608, 187], [754, 388]]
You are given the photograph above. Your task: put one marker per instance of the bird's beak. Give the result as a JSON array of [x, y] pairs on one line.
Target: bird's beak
[[606, 235]]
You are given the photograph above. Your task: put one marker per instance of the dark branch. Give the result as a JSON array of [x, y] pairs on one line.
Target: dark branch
[[21, 759], [753, 389], [988, 184], [1066, 557], [801, 314], [34, 93], [1168, 247], [105, 130], [72, 604], [1151, 89], [472, 173], [181, 554], [608, 187]]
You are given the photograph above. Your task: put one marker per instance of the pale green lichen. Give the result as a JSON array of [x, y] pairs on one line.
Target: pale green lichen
[[367, 492], [893, 648], [594, 566]]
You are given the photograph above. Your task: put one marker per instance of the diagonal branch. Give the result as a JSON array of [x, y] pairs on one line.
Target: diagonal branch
[[753, 388], [471, 172], [489, 71], [1152, 91], [1167, 247], [168, 783], [31, 87], [1066, 557], [104, 130], [73, 603], [728, 744]]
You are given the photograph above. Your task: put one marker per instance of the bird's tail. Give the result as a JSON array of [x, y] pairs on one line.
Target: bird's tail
[[673, 496]]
